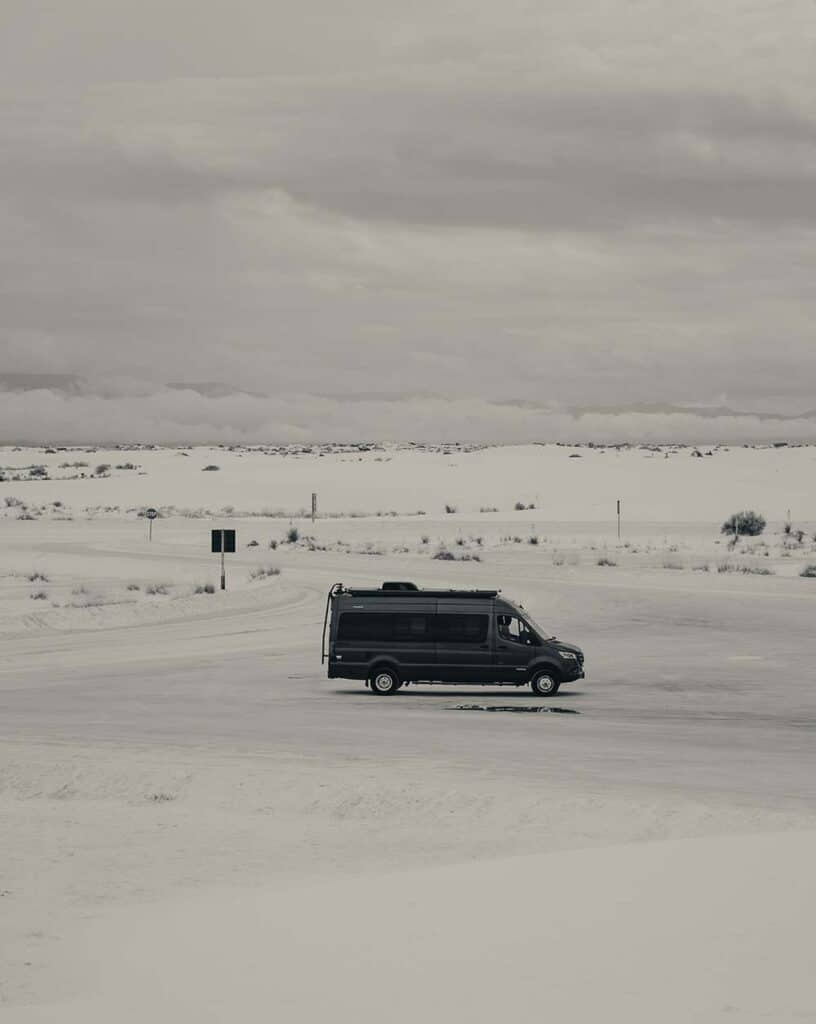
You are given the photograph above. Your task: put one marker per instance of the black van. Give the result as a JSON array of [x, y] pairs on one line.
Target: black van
[[399, 634]]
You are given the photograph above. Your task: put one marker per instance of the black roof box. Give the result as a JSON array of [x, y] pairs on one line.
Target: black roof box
[[399, 585]]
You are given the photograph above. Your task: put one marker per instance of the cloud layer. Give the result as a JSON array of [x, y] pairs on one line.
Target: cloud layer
[[534, 207]]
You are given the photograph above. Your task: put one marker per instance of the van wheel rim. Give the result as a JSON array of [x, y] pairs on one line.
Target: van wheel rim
[[383, 681], [545, 683]]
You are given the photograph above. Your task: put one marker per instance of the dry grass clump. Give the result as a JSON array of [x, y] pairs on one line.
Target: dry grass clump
[[604, 560], [671, 563], [292, 535], [744, 524], [746, 570], [451, 509], [261, 572], [809, 571], [212, 468], [157, 589], [443, 555], [204, 588], [39, 595], [488, 508], [34, 576]]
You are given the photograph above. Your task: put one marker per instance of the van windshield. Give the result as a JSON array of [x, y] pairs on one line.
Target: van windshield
[[541, 633]]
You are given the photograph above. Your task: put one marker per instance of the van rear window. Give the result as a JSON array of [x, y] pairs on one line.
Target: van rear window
[[371, 627]]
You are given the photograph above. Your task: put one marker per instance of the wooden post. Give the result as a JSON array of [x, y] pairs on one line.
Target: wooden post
[[618, 518]]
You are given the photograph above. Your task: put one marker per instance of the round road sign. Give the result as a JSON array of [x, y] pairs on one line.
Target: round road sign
[[151, 513]]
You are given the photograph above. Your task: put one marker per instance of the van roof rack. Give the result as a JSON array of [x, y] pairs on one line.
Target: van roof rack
[[392, 591]]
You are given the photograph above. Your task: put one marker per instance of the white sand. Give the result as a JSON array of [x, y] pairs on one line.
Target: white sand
[[198, 826]]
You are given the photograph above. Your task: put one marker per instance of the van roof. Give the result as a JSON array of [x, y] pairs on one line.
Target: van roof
[[406, 593]]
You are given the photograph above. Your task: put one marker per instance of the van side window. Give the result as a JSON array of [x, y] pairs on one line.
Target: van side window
[[461, 629], [382, 627], [510, 627]]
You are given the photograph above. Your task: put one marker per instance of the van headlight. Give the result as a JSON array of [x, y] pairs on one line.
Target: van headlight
[[568, 655]]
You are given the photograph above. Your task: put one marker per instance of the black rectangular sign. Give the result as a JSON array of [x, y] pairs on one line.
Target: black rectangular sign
[[223, 540]]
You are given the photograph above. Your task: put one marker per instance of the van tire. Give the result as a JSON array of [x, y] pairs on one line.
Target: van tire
[[545, 684], [384, 680]]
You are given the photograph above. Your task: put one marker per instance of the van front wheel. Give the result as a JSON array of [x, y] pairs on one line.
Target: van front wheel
[[544, 684], [384, 680]]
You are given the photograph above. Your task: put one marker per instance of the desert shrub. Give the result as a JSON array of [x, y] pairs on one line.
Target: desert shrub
[[700, 567], [809, 572], [212, 468], [450, 509], [261, 572], [12, 502], [460, 542], [34, 576], [273, 545], [27, 516], [519, 506], [443, 555], [103, 469], [532, 540], [557, 558], [670, 563], [252, 544], [425, 539], [744, 524], [40, 595], [204, 588], [603, 560], [293, 535], [157, 588], [488, 508], [133, 586], [127, 465], [39, 472]]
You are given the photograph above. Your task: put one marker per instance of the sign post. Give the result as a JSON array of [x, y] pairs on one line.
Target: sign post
[[223, 541], [151, 514], [618, 518], [314, 507]]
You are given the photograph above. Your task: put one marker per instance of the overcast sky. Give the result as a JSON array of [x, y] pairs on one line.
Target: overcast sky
[[364, 218]]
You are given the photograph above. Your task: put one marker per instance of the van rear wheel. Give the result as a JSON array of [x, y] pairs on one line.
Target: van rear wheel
[[544, 684], [384, 680]]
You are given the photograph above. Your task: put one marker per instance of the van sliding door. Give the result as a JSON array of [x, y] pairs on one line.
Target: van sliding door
[[463, 647]]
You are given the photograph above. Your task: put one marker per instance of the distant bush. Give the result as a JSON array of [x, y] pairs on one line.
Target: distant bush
[[744, 524], [443, 555], [127, 465], [532, 540], [293, 535], [519, 506], [488, 508], [425, 539], [40, 595], [34, 576], [212, 468], [133, 586], [103, 469], [451, 509], [606, 561], [157, 588], [273, 544], [12, 502], [670, 563], [252, 544], [809, 572], [204, 588], [261, 572], [460, 542], [39, 472]]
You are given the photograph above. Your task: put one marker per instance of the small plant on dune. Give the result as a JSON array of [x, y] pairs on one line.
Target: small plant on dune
[[103, 469], [155, 589], [133, 586], [809, 572], [443, 555], [261, 572], [34, 576], [204, 588], [292, 535], [532, 540], [670, 563], [12, 502], [743, 524], [252, 544], [488, 508], [519, 506], [557, 558], [273, 545], [212, 468], [425, 539], [460, 542], [603, 560], [450, 509], [40, 595]]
